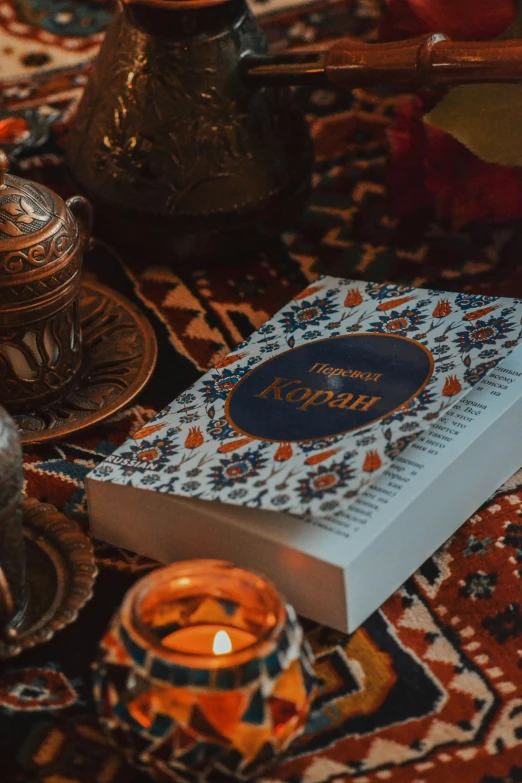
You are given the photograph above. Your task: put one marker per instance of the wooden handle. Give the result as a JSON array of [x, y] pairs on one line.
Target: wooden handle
[[430, 61]]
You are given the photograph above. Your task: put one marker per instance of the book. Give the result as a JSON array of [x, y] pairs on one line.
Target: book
[[334, 450]]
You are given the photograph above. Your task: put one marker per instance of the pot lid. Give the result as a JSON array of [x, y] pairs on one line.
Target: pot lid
[[36, 226]]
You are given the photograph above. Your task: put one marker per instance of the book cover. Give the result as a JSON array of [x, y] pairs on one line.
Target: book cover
[[313, 407]]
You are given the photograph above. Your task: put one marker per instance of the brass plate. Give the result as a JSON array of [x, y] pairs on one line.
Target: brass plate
[[119, 350], [61, 571]]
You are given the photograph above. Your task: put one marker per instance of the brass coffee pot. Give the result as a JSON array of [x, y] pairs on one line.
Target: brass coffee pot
[[187, 129]]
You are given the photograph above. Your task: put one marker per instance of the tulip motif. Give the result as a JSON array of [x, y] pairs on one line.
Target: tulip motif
[[227, 360], [442, 309], [233, 445], [145, 432], [353, 298], [316, 459], [389, 303], [283, 453], [452, 386], [372, 461], [307, 292], [194, 438], [476, 314]]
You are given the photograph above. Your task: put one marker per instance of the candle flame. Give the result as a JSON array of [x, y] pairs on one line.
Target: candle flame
[[222, 644]]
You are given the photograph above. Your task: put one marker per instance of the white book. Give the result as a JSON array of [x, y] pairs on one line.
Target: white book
[[341, 558], [339, 572]]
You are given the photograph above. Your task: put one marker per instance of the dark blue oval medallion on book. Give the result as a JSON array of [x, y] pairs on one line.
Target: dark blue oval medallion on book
[[329, 387]]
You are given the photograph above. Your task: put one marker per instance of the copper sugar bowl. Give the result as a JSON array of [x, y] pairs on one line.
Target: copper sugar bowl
[[41, 246]]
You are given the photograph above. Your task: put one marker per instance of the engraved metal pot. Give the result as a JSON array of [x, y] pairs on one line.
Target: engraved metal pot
[[187, 128], [171, 143], [41, 247]]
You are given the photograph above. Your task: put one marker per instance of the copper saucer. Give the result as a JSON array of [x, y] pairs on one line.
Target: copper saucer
[[120, 351], [61, 571]]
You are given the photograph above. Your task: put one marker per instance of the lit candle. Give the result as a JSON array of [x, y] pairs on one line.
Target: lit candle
[[221, 672], [208, 640]]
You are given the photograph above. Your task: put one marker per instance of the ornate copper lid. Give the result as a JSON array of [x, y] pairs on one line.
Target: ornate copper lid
[[37, 230], [41, 245]]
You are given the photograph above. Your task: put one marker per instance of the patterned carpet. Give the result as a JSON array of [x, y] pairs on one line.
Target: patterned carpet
[[429, 690]]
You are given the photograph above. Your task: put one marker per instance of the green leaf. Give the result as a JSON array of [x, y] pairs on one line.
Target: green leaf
[[487, 118]]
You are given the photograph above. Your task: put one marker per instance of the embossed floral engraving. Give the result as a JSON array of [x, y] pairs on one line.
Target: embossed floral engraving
[[19, 212], [119, 355], [169, 129], [40, 259]]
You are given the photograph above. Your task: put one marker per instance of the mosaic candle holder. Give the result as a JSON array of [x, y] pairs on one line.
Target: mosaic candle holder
[[204, 674]]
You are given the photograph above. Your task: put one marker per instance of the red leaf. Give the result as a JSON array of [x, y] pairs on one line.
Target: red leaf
[[460, 19], [429, 168]]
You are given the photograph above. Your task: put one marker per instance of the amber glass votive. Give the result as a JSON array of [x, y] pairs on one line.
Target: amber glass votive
[[204, 674]]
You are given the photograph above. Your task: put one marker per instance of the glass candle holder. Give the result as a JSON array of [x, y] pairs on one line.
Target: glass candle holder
[[204, 674]]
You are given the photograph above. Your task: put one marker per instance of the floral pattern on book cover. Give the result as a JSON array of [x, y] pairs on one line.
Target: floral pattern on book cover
[[191, 448]]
